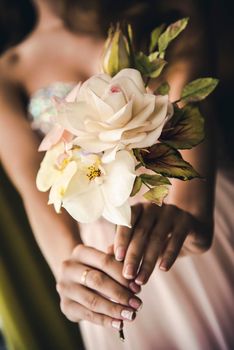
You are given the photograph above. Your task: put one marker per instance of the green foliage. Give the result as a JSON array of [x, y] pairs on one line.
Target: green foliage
[[185, 129], [154, 180], [157, 194], [149, 68], [171, 33], [167, 161], [198, 89], [155, 36], [136, 186]]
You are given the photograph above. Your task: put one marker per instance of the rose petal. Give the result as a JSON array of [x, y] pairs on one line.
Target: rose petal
[[122, 117], [114, 99], [98, 84], [129, 139], [51, 138], [145, 113], [104, 110], [91, 144], [134, 75], [72, 116], [131, 92], [150, 138], [71, 97]]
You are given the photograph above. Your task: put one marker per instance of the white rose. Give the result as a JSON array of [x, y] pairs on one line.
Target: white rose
[[109, 114]]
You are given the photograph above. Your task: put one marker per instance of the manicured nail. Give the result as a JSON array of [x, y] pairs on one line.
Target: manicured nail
[[163, 265], [141, 279], [134, 287], [120, 253], [129, 271], [135, 303], [117, 325], [128, 315]]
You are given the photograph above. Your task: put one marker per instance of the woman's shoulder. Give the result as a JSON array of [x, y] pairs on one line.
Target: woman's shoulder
[[11, 89]]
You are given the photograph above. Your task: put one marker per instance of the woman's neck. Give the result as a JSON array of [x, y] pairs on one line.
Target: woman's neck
[[47, 17]]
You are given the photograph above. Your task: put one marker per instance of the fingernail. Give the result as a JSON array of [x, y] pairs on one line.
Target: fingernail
[[141, 278], [134, 287], [129, 271], [128, 315], [135, 303], [117, 324], [120, 253], [163, 265]]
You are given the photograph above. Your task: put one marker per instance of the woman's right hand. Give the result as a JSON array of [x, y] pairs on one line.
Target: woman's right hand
[[92, 288]]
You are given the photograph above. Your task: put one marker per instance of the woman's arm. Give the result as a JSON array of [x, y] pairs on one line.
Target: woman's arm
[[56, 235]]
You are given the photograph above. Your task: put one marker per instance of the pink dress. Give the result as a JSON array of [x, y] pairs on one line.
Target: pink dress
[[188, 308]]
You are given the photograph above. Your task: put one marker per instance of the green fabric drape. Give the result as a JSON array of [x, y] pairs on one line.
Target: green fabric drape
[[29, 304]]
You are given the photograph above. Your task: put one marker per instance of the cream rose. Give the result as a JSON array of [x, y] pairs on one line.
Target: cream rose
[[109, 114]]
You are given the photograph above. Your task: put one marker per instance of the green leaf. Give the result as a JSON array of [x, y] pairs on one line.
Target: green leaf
[[151, 69], [153, 56], [137, 154], [136, 186], [168, 162], [154, 180], [198, 89], [163, 89], [185, 129], [157, 194], [171, 33], [143, 63], [157, 67], [155, 36]]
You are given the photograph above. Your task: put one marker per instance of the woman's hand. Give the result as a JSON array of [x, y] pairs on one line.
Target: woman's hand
[[92, 288], [158, 233]]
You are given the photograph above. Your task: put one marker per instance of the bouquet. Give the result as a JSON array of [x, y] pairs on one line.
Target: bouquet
[[112, 137]]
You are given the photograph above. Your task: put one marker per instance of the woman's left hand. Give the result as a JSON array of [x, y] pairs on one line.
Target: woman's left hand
[[159, 233]]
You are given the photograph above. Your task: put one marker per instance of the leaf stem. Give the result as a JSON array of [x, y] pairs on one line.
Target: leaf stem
[[145, 183]]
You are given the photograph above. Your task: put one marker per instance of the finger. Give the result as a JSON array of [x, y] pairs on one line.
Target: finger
[[155, 245], [76, 312], [172, 249], [95, 302], [123, 234], [110, 249], [103, 284], [135, 252], [101, 261]]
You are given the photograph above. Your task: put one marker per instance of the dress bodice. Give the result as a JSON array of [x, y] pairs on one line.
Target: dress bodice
[[41, 106]]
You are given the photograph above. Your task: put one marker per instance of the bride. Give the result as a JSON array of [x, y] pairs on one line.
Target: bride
[[188, 307]]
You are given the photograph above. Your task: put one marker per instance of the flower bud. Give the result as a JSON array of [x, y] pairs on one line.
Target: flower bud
[[116, 52]]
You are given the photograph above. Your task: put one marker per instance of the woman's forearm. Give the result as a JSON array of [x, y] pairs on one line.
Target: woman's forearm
[[56, 234]]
